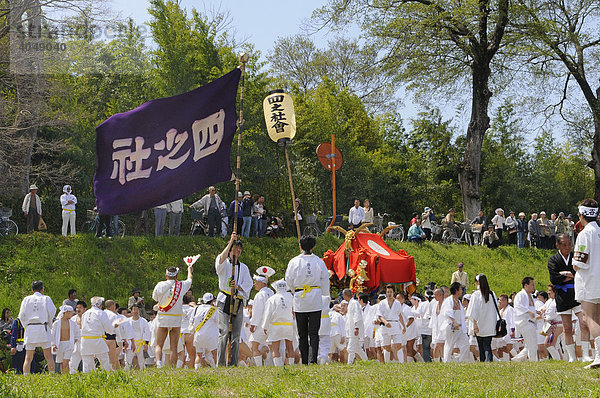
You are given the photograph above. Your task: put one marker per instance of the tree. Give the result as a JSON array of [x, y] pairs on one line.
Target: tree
[[435, 44], [565, 32], [24, 28], [348, 64]]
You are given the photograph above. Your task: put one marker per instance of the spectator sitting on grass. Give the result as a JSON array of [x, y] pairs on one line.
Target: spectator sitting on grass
[[415, 232]]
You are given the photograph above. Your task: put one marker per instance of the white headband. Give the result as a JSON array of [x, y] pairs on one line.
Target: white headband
[[172, 274], [588, 211], [260, 278]]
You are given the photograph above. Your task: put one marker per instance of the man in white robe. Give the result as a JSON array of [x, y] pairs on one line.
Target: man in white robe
[[36, 314]]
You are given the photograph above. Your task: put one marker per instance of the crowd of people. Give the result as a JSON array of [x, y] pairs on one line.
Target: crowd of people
[[299, 322]]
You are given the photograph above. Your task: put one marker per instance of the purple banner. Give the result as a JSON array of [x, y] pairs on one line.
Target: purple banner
[[166, 149]]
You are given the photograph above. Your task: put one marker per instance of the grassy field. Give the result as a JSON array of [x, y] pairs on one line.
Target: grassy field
[[546, 379], [111, 268]]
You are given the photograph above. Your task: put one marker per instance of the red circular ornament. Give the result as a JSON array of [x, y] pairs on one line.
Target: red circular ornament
[[265, 270]]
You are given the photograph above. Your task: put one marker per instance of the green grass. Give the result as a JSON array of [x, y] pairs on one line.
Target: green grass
[[111, 268], [546, 379]]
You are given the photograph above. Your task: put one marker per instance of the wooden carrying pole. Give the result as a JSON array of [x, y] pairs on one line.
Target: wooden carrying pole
[[243, 60], [333, 180], [287, 161]]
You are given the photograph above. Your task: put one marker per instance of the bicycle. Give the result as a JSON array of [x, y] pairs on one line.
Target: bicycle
[[396, 233], [7, 226], [465, 236], [199, 223], [377, 226], [312, 228], [93, 220], [436, 231]]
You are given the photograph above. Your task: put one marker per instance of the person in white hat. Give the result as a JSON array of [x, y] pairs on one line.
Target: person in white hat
[[68, 202], [337, 334], [169, 295], [94, 325], [277, 323], [499, 220], [258, 338], [36, 314], [32, 209], [205, 326], [65, 334]]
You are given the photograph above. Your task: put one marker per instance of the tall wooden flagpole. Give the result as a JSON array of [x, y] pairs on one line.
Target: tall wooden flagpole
[[243, 59], [333, 180]]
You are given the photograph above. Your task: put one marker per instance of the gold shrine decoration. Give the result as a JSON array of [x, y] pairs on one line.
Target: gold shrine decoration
[[350, 235], [279, 113], [358, 277]]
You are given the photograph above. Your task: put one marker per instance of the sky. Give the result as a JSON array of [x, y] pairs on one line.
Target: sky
[[257, 21]]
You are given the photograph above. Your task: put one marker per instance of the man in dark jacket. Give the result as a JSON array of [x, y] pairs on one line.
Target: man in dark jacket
[[561, 276]]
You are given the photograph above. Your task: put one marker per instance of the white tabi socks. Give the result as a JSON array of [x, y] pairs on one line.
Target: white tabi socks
[[400, 355], [269, 359], [290, 361], [571, 352], [258, 360], [179, 364], [198, 366], [585, 348], [596, 363], [386, 356], [553, 353], [278, 361], [210, 360], [419, 358]]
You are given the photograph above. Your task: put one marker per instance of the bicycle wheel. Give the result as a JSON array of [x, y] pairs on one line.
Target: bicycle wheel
[[401, 234], [8, 227], [88, 227], [310, 230], [121, 229]]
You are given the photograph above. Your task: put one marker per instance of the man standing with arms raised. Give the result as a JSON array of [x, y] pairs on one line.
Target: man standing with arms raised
[[586, 262], [169, 295], [36, 315], [308, 279], [241, 282]]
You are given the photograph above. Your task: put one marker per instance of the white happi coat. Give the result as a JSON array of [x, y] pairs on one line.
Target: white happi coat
[[36, 314], [94, 325], [392, 315], [338, 325], [354, 320], [308, 279], [163, 292], [325, 328], [141, 330], [208, 335], [74, 334], [258, 309], [278, 318], [587, 260]]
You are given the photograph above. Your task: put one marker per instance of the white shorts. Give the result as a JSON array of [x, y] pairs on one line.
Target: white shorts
[[591, 300], [411, 333], [206, 341], [498, 342], [280, 332], [65, 349], [166, 320], [37, 336], [391, 339], [336, 345], [258, 336], [378, 342], [571, 311]]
